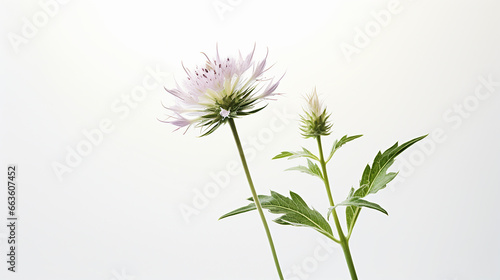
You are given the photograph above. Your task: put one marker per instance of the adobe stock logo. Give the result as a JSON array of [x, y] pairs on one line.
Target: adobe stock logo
[[223, 6], [487, 87], [220, 180], [121, 107], [31, 26], [122, 275], [363, 36], [324, 250]]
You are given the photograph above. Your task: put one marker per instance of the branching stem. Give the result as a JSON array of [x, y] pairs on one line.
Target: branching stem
[[343, 241]]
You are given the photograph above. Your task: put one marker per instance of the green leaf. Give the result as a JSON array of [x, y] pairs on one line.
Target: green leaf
[[375, 178], [291, 155], [339, 143], [294, 210], [283, 155], [306, 153], [249, 207], [358, 202], [311, 169]]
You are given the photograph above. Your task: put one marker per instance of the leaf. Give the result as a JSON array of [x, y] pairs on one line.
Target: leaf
[[311, 169], [339, 143], [357, 202], [306, 153], [375, 178], [295, 212], [291, 155], [249, 207], [283, 155]]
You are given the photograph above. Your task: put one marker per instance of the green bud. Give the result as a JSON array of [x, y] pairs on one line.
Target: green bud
[[315, 118]]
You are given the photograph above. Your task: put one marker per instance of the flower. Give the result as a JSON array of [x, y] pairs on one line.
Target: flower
[[315, 120], [225, 87]]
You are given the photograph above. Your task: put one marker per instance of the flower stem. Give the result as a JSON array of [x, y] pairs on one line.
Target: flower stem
[[255, 197], [343, 241]]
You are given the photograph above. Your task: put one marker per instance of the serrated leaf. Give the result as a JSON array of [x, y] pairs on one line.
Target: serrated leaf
[[291, 155], [358, 202], [311, 169], [294, 210], [339, 143], [314, 169], [376, 177]]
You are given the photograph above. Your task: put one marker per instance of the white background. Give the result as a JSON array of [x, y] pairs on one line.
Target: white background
[[117, 214]]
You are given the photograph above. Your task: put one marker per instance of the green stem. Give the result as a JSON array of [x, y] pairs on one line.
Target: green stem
[[255, 197], [343, 241]]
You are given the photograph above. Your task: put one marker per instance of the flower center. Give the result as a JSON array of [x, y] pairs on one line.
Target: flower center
[[224, 113]]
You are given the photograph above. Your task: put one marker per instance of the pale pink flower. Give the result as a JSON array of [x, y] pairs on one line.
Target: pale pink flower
[[225, 87]]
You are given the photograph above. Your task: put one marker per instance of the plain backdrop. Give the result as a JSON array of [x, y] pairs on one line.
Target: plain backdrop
[[142, 202]]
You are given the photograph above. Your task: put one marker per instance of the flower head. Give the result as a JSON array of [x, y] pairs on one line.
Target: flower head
[[315, 119], [225, 87]]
